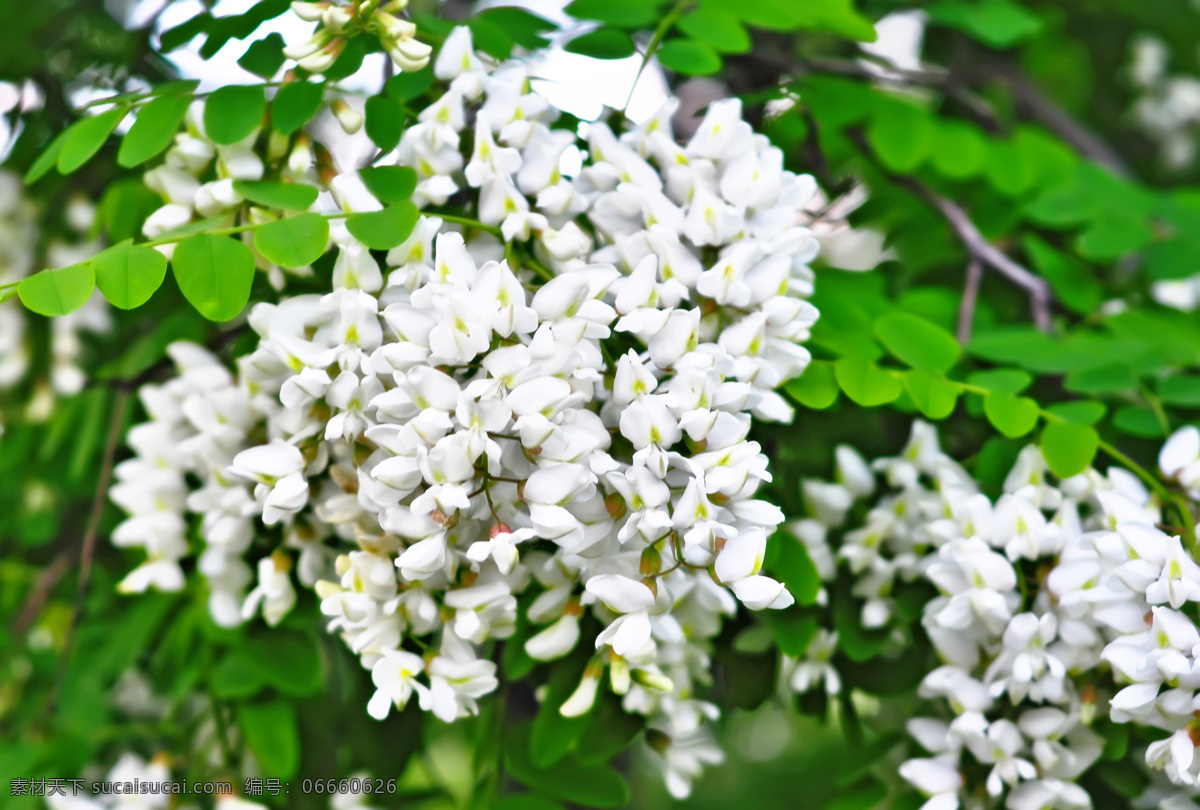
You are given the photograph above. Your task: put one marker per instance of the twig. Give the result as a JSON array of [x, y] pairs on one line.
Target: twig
[[977, 246], [1058, 120], [39, 593], [120, 402], [966, 309]]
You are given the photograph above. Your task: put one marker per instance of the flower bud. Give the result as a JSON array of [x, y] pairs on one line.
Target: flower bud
[[350, 118], [651, 562], [555, 641], [499, 528], [584, 697], [310, 12], [652, 680]]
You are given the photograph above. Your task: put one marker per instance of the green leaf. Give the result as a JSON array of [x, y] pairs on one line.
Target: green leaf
[[1141, 422], [1180, 390], [610, 732], [48, 158], [293, 241], [718, 29], [1011, 415], [389, 184], [215, 274], [603, 43], [899, 134], [153, 129], [273, 735], [1001, 380], [274, 194], [237, 676], [816, 388], [567, 780], [86, 137], [384, 121], [233, 112], [1080, 411], [690, 57], [1111, 236], [406, 85], [1071, 283], [129, 274], [1069, 448], [1109, 378], [57, 292], [866, 383], [553, 736], [1010, 168], [264, 57], [350, 61], [996, 23], [856, 641], [384, 230], [934, 395], [290, 663], [793, 629], [623, 13], [294, 105], [524, 28], [790, 561], [918, 342], [957, 149]]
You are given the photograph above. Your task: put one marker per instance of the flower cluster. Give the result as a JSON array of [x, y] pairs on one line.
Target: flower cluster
[[562, 413], [1036, 592], [341, 21]]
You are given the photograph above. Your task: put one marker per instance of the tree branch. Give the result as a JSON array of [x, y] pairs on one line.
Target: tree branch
[[977, 246], [87, 550], [1055, 118], [966, 309]]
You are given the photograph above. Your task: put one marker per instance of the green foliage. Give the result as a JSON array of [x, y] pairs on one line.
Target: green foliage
[[294, 105], [214, 273], [293, 241], [389, 184], [233, 112], [153, 130], [272, 194], [57, 292], [129, 274], [383, 230], [85, 138]]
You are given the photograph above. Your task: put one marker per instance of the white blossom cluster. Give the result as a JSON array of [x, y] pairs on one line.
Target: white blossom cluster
[[564, 413], [1039, 594]]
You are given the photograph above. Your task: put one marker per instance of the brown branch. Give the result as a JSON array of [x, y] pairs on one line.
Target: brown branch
[[39, 593], [1044, 109], [978, 247], [966, 309], [87, 550]]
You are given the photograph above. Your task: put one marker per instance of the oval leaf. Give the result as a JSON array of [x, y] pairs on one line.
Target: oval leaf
[[816, 388], [294, 105], [866, 383], [384, 230], [153, 129], [690, 57], [918, 342], [129, 274], [1011, 415], [86, 137], [934, 395], [233, 112], [389, 184], [292, 196], [214, 273], [293, 242], [57, 292], [1069, 448], [384, 121]]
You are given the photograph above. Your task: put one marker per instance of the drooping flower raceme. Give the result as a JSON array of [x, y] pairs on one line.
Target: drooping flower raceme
[[1040, 594], [562, 411]]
